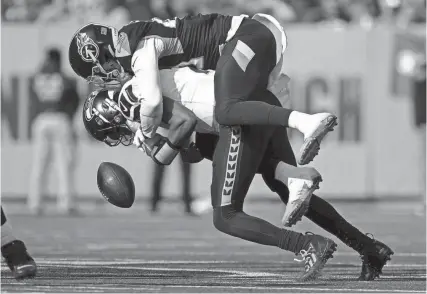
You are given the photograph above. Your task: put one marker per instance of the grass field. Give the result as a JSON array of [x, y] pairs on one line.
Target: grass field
[[119, 250]]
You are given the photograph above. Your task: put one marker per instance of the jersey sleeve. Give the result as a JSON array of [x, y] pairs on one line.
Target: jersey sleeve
[[146, 83]]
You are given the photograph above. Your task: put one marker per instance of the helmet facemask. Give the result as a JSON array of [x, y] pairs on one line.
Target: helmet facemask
[[113, 131], [107, 72]]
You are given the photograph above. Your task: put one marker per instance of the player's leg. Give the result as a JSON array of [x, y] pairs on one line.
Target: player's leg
[[42, 153], [159, 171], [186, 186], [62, 143], [245, 64], [374, 253], [15, 253], [235, 162]]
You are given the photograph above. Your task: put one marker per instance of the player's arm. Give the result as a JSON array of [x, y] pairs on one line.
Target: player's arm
[[146, 85], [181, 123]]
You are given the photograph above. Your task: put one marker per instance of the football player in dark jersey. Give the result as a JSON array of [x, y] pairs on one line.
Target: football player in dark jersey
[[273, 167], [104, 121], [15, 253], [247, 54]]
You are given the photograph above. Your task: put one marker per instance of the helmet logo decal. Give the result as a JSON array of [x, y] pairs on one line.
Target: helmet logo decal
[[89, 104], [87, 48]]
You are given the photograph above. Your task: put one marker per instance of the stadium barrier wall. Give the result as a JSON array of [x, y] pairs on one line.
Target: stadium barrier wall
[[373, 153]]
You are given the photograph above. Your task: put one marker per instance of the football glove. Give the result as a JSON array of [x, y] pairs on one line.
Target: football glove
[[160, 149]]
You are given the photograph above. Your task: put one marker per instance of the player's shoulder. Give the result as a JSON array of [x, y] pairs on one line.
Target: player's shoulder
[[154, 26], [135, 24], [202, 17]]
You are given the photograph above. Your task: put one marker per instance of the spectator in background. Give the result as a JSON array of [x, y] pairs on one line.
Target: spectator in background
[[52, 134], [360, 13], [279, 9], [22, 10], [116, 13], [419, 96], [162, 9], [139, 9], [411, 63], [333, 14], [111, 12]]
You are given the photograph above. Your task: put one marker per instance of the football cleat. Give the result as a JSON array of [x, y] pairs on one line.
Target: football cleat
[[312, 139], [373, 260], [315, 256], [18, 260], [300, 191]]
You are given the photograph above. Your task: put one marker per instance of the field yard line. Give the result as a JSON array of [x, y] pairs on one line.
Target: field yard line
[[121, 263], [44, 261], [288, 289]]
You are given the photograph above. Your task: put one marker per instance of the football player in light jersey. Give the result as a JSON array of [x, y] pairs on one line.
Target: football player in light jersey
[[194, 90], [247, 54], [105, 121]]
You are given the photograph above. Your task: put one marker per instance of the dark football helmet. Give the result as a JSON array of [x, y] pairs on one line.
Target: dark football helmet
[[92, 56], [104, 121]]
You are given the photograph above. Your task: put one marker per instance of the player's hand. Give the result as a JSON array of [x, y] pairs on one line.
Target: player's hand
[[138, 140], [191, 154], [152, 145]]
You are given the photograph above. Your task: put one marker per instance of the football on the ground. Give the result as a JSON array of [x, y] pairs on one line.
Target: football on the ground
[[116, 184]]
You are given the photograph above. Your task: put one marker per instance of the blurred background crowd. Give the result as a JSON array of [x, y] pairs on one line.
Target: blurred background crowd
[[365, 13]]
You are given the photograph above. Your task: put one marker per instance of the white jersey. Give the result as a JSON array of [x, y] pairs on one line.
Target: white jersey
[[194, 89]]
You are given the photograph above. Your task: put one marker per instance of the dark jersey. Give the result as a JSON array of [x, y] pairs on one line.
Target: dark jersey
[[192, 40], [54, 93]]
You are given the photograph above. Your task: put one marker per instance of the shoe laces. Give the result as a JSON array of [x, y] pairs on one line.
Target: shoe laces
[[307, 257]]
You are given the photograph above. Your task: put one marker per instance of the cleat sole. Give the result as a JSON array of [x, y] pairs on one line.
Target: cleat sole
[[302, 208], [311, 145]]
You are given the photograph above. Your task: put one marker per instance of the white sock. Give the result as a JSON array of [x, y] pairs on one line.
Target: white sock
[[286, 171], [6, 234], [297, 120]]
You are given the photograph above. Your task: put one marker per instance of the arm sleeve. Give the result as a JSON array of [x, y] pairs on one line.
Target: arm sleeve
[[146, 83]]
